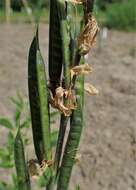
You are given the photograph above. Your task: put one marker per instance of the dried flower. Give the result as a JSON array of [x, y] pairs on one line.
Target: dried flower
[[87, 37], [81, 69], [33, 167], [37, 170], [90, 89], [71, 100], [57, 101]]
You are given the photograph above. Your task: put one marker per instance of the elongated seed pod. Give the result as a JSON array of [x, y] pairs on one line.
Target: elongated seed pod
[[62, 130], [44, 106], [38, 99], [73, 138], [65, 33], [20, 164], [34, 100], [55, 47]]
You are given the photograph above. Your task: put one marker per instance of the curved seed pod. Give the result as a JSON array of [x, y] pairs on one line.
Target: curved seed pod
[[20, 164], [73, 138], [38, 97], [34, 100], [55, 47]]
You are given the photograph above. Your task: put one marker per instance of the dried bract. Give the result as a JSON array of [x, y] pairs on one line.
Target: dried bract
[[90, 89], [36, 170], [71, 100], [87, 37], [57, 101], [33, 168], [80, 69]]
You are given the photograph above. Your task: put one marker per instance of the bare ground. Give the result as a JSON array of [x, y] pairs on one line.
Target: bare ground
[[108, 145]]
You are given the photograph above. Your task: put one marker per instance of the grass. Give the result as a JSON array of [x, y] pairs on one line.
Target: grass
[[23, 16], [122, 16]]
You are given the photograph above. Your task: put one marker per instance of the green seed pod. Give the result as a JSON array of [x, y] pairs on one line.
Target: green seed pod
[[55, 47], [38, 97], [76, 126], [20, 164]]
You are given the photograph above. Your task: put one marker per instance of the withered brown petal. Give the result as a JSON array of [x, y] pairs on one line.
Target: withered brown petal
[[80, 69], [87, 37], [90, 89]]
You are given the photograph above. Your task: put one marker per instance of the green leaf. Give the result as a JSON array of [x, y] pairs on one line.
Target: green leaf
[[5, 164], [26, 123], [10, 142], [17, 116], [6, 123], [18, 101]]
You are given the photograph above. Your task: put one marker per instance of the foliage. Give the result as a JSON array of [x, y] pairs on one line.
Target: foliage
[[21, 118], [22, 16], [122, 15], [16, 5]]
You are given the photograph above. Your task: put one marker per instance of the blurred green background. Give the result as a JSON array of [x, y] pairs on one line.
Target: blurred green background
[[118, 14]]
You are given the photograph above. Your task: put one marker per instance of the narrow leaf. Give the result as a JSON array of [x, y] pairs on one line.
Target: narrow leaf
[[6, 123]]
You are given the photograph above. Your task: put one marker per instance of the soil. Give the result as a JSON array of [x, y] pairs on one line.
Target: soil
[[108, 144]]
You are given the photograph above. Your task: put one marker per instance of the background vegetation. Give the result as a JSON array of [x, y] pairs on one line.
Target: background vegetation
[[114, 14]]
